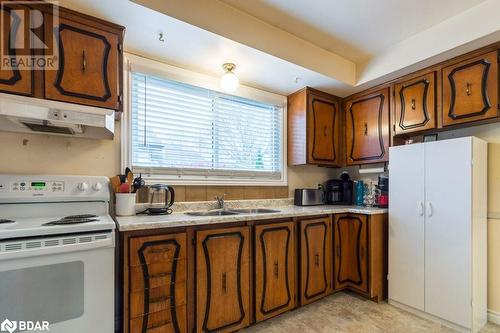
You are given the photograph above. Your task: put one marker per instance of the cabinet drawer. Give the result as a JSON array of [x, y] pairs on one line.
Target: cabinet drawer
[[157, 249], [157, 274], [157, 299], [172, 320]]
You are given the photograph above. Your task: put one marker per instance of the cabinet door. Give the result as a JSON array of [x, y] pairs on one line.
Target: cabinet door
[[12, 78], [367, 128], [157, 283], [274, 269], [351, 252], [222, 279], [415, 104], [323, 130], [88, 66], [406, 225], [315, 265], [448, 247], [470, 90]]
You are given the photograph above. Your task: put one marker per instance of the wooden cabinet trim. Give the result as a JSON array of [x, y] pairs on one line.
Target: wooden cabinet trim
[[322, 223], [60, 72], [403, 107], [239, 235], [264, 291], [315, 99], [16, 75], [142, 259], [380, 128], [484, 92]]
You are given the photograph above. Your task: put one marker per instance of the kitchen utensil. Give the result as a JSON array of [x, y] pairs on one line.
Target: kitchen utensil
[[115, 183], [138, 183]]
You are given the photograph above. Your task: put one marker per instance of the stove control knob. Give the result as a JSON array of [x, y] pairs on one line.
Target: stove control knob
[[83, 186], [97, 187]]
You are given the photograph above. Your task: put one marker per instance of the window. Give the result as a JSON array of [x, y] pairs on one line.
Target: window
[[181, 131]]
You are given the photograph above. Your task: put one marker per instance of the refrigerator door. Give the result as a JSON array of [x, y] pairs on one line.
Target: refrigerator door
[[406, 225], [448, 181]]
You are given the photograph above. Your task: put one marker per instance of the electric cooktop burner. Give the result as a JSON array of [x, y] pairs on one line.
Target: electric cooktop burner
[[6, 221], [76, 219]]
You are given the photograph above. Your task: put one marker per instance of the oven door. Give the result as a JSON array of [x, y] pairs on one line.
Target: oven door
[[65, 281]]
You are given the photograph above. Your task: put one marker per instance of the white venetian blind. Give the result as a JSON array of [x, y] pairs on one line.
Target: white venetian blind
[[184, 130]]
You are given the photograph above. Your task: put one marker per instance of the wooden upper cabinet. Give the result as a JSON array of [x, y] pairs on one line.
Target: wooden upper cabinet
[[313, 128], [222, 279], [415, 104], [470, 90], [315, 259], [14, 43], [351, 252], [89, 64], [367, 128], [274, 269]]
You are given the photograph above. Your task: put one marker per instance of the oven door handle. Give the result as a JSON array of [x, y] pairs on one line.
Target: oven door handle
[[24, 252]]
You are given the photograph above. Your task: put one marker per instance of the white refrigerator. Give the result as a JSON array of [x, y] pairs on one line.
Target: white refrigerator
[[438, 231]]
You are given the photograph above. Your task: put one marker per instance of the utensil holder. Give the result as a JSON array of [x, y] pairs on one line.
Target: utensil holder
[[125, 204]]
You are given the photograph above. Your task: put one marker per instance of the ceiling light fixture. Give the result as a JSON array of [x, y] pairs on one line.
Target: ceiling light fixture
[[229, 81]]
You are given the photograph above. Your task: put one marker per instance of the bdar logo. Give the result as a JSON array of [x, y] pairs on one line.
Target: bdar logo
[[8, 326]]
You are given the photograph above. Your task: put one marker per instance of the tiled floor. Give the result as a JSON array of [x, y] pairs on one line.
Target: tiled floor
[[346, 313]]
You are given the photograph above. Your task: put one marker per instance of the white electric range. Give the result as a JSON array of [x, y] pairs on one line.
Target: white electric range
[[56, 253]]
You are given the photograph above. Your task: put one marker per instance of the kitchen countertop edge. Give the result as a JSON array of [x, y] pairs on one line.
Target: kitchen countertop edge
[[177, 220]]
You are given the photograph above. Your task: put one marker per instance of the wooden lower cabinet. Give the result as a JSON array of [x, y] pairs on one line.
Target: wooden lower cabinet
[[315, 259], [274, 269], [156, 291], [360, 254], [222, 279]]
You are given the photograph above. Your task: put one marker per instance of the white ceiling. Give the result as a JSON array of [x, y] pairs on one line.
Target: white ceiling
[[355, 29], [193, 48], [362, 33]]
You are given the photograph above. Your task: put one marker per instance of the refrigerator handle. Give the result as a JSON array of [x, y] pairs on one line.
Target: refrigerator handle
[[420, 208], [429, 209]]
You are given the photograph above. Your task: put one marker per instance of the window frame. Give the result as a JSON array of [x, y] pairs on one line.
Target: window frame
[[134, 63]]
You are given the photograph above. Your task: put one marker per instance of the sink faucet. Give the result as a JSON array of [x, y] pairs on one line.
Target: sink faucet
[[220, 201]]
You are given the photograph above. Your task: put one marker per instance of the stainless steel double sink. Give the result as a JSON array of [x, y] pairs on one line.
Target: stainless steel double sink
[[223, 212]]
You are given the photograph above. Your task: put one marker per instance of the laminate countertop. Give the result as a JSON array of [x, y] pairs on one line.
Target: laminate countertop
[[180, 219]]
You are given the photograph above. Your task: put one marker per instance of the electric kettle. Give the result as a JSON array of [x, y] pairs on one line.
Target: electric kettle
[[162, 197]]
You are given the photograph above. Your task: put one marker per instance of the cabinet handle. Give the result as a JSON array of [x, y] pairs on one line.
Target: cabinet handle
[[325, 131], [366, 129], [468, 90], [160, 324], [224, 282], [84, 61], [429, 209], [420, 208], [159, 250], [159, 299], [413, 104], [316, 260], [159, 275], [276, 269]]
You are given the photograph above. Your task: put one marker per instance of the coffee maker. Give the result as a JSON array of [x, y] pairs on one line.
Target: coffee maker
[[340, 191]]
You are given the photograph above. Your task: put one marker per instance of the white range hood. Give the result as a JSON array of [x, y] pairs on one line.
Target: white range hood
[[33, 115]]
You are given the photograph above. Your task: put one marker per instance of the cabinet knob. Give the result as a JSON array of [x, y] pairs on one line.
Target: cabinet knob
[[468, 90], [276, 269], [84, 61], [366, 129], [325, 131], [413, 104], [224, 282], [316, 260]]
